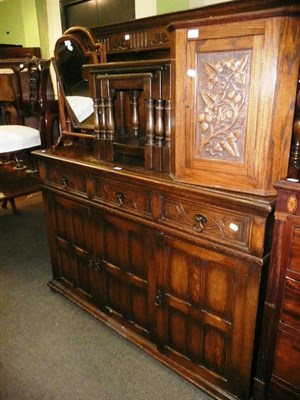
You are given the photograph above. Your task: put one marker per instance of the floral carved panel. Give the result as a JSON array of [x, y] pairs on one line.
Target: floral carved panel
[[222, 98]]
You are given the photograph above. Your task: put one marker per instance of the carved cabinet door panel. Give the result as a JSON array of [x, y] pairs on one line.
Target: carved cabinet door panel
[[206, 305], [69, 227], [229, 81], [123, 253]]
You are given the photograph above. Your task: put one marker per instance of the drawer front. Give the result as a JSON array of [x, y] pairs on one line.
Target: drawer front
[[66, 179], [127, 197], [290, 313], [287, 359], [207, 221]]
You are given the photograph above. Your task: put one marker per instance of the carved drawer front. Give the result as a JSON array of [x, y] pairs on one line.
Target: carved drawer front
[[203, 220], [66, 179], [123, 196]]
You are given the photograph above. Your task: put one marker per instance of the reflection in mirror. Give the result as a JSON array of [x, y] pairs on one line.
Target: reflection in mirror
[[75, 48], [69, 62]]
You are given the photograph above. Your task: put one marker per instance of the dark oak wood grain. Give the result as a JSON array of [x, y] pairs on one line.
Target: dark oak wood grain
[[160, 215]]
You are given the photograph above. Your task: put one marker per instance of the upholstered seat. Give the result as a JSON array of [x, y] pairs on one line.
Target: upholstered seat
[[14, 138]]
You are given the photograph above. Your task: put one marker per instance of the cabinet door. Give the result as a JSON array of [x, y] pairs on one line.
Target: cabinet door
[[206, 313], [237, 103], [69, 232], [124, 250]]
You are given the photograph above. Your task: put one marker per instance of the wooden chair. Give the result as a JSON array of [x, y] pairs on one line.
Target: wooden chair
[[16, 138]]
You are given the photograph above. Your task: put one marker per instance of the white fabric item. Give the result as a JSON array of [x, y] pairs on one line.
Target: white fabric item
[[6, 71], [18, 137], [81, 106]]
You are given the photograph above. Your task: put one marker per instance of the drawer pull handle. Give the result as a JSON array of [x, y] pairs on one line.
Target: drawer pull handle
[[120, 199], [200, 220], [95, 264], [98, 265], [65, 181], [159, 298]]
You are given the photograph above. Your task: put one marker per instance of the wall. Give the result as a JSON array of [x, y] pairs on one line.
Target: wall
[[15, 15], [41, 18], [146, 8], [165, 6], [54, 24]]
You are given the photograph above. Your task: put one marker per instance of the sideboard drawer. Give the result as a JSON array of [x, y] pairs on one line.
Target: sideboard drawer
[[290, 312], [203, 220], [286, 362], [118, 194], [66, 179]]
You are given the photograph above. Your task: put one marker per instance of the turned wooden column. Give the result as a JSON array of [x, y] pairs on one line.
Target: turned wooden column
[[150, 129], [167, 145], [135, 118], [159, 134], [294, 164]]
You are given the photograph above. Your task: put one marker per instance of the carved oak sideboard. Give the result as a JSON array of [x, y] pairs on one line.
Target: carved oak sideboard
[[160, 208]]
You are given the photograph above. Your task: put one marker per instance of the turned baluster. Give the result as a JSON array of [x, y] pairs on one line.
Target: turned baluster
[[96, 118], [34, 81], [150, 121], [102, 120], [110, 121], [134, 103], [159, 135], [166, 162], [294, 165], [150, 130], [122, 111], [159, 122], [168, 123]]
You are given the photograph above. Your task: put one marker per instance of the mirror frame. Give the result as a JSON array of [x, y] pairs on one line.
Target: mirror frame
[[94, 53]]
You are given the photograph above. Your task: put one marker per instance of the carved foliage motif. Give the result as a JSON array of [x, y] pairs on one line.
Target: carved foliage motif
[[137, 40], [159, 38], [222, 102], [218, 223]]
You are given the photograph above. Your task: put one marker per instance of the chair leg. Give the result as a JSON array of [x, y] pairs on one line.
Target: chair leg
[[13, 205], [31, 165], [19, 163]]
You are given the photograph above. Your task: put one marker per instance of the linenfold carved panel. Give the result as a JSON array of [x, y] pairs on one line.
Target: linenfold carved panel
[[221, 104]]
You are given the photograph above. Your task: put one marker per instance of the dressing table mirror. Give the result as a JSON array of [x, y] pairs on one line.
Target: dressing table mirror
[[76, 47]]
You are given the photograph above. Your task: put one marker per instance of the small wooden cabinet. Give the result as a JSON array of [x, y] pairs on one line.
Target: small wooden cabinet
[[237, 113], [278, 369]]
